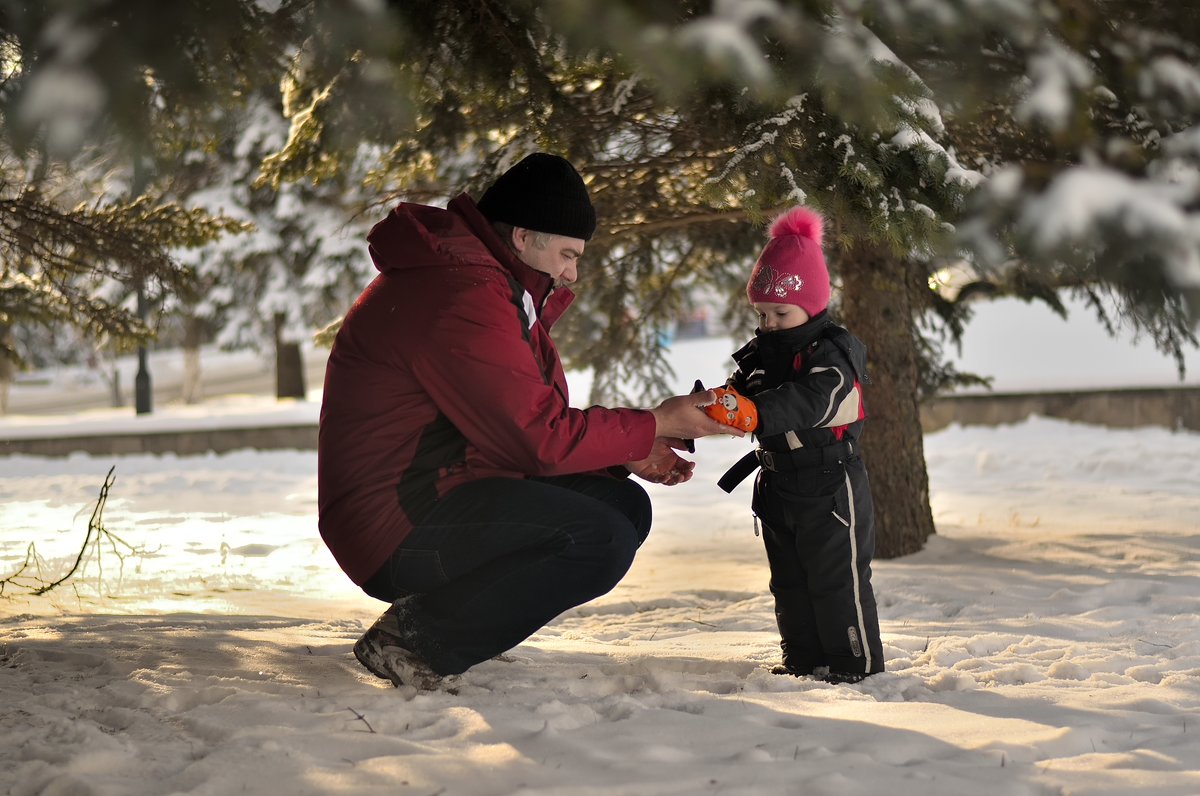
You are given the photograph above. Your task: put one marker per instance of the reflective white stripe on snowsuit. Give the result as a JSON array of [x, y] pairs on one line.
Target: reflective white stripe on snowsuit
[[841, 413], [829, 410], [858, 608]]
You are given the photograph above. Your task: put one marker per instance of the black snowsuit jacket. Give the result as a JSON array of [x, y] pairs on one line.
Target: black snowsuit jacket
[[812, 493]]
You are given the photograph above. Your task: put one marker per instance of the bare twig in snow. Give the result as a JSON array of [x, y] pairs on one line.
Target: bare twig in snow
[[29, 575], [363, 719]]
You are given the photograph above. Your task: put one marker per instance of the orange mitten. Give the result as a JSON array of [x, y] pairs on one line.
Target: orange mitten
[[733, 409]]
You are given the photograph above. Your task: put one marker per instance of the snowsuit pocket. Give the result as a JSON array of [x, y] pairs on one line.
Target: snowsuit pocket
[[806, 498]]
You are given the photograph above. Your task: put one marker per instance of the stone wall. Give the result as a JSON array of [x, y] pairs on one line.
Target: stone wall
[[182, 443], [1171, 407]]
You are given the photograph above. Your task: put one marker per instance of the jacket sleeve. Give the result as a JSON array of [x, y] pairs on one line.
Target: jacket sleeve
[[478, 366], [825, 395]]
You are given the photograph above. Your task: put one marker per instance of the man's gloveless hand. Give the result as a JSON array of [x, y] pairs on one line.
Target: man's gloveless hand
[[683, 417], [663, 465]]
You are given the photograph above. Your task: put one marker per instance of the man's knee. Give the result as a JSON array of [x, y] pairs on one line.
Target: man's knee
[[635, 505], [613, 541]]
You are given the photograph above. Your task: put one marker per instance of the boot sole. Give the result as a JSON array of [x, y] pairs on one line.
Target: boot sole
[[370, 655]]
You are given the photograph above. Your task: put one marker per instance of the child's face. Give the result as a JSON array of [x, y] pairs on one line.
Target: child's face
[[775, 317]]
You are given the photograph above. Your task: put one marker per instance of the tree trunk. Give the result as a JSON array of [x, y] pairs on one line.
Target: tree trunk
[[880, 305], [193, 337], [289, 365], [111, 373], [114, 389]]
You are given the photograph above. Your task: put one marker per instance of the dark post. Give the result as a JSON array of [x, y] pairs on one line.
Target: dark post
[[141, 382]]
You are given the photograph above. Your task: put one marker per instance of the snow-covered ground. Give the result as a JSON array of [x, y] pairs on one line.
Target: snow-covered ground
[[1046, 641]]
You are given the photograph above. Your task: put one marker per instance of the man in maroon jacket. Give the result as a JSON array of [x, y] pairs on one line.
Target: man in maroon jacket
[[455, 481]]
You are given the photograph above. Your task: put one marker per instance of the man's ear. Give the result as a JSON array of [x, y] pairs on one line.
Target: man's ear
[[520, 239]]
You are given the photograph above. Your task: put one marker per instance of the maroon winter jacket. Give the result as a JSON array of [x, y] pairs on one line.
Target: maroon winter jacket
[[444, 372]]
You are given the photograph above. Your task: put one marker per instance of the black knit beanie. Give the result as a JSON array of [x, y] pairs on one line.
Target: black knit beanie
[[543, 193]]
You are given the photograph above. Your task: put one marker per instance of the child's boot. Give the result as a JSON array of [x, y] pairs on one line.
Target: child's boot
[[799, 642]]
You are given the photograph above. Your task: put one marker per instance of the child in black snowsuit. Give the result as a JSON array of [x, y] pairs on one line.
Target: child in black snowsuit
[[802, 374]]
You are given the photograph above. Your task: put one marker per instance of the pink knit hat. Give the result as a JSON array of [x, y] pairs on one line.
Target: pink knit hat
[[791, 268]]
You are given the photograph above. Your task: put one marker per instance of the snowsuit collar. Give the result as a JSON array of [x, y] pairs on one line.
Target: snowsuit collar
[[799, 337], [777, 349]]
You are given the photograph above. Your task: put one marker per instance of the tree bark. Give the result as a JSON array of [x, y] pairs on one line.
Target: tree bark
[[289, 365], [193, 381], [880, 304], [114, 388]]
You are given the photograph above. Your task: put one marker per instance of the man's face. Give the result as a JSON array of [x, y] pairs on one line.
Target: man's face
[[555, 255], [774, 317]]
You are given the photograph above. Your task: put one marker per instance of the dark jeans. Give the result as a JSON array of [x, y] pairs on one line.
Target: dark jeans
[[498, 558]]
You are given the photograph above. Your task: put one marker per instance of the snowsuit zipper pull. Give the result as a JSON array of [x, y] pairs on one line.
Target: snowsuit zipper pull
[[755, 524]]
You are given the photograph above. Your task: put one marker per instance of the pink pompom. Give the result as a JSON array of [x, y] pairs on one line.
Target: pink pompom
[[798, 221]]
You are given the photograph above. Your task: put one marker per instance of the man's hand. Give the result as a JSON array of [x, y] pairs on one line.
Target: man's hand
[[683, 417], [663, 465]]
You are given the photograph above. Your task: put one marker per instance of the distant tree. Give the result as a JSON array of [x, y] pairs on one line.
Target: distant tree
[[305, 259], [91, 95], [55, 258]]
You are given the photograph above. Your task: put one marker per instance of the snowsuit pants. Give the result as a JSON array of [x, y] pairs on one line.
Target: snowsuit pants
[[496, 559], [819, 531]]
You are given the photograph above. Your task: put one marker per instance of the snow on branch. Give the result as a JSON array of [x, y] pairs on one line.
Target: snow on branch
[[1088, 203], [1056, 76]]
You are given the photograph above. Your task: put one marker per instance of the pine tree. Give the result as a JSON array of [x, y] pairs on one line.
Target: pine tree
[[509, 87], [904, 121], [933, 134], [682, 182], [91, 93], [304, 260]]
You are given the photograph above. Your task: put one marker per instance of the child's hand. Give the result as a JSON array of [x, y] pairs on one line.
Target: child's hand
[[733, 409]]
